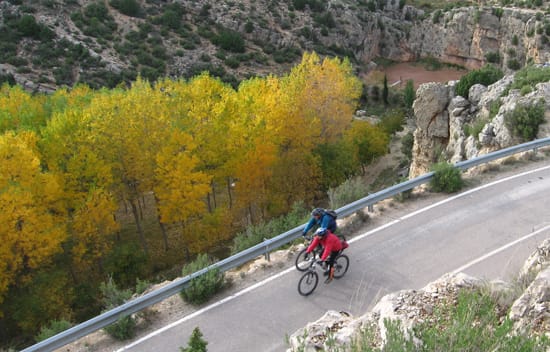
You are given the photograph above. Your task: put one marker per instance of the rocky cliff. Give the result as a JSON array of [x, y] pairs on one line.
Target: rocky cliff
[[61, 42], [444, 120]]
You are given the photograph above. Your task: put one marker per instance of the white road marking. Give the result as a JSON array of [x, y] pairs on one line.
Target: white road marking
[[498, 250], [366, 234]]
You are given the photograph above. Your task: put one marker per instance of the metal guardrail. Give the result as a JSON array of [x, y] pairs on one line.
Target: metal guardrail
[[263, 248]]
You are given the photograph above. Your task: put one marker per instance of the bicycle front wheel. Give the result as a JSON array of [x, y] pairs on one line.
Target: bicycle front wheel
[[341, 265], [303, 260], [308, 282]]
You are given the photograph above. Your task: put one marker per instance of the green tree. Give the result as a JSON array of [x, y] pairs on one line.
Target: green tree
[[409, 95], [385, 91]]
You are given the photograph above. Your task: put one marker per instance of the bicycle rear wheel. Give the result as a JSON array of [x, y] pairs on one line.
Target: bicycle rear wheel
[[308, 282], [302, 264], [341, 265]]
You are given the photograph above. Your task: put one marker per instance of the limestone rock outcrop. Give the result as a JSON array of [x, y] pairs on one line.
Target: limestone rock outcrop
[[446, 123]]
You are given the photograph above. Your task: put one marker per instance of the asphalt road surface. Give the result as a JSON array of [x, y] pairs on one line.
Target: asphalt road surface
[[487, 232]]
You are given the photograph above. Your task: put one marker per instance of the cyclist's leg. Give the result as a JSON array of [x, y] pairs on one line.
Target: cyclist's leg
[[330, 265]]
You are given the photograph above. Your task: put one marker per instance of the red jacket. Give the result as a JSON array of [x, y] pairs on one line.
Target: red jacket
[[330, 242]]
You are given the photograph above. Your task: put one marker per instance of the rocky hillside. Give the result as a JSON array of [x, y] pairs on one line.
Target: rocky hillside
[[525, 303], [49, 43]]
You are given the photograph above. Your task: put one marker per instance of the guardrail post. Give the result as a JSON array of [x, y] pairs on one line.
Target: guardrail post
[[267, 251]]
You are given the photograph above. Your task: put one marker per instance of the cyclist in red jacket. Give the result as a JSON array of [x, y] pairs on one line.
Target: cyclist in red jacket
[[332, 247]]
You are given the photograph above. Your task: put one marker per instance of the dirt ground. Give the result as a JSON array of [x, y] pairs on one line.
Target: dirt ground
[[399, 74]]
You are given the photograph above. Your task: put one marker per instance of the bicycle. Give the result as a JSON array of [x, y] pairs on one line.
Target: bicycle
[[302, 261], [309, 280]]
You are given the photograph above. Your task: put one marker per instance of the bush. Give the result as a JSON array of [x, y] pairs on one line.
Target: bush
[[446, 178], [28, 27], [392, 121], [524, 121], [125, 263], [493, 57], [474, 128], [513, 64], [127, 7], [407, 143], [202, 287], [123, 329], [229, 40], [113, 297], [486, 75], [196, 342], [255, 234], [53, 328], [349, 191], [530, 75]]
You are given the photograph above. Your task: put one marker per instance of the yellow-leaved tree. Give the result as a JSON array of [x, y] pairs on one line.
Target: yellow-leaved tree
[[316, 104], [253, 145], [180, 188], [32, 217]]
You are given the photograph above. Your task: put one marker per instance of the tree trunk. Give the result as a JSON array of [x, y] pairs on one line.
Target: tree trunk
[[162, 227], [164, 235], [229, 192], [209, 202], [213, 187], [139, 229]]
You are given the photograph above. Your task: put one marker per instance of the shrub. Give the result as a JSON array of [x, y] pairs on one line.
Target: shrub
[[513, 64], [486, 75], [493, 57], [474, 128], [349, 191], [407, 143], [392, 121], [27, 26], [127, 7], [255, 234], [126, 263], [232, 62], [446, 178], [524, 121], [229, 40], [436, 16], [530, 75], [113, 297], [53, 328], [196, 342], [7, 78], [202, 287]]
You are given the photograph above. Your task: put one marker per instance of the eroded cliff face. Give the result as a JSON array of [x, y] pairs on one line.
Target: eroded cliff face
[[466, 36], [463, 36], [444, 121]]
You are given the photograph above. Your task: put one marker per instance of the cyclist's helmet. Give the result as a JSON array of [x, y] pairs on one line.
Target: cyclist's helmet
[[318, 212], [321, 231]]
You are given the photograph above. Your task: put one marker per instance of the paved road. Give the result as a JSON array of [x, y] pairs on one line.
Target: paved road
[[487, 232]]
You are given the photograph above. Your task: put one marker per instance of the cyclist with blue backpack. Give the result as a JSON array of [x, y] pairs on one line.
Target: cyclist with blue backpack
[[322, 218]]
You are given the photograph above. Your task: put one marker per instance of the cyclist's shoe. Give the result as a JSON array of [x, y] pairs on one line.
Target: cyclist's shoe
[[330, 276], [326, 272]]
